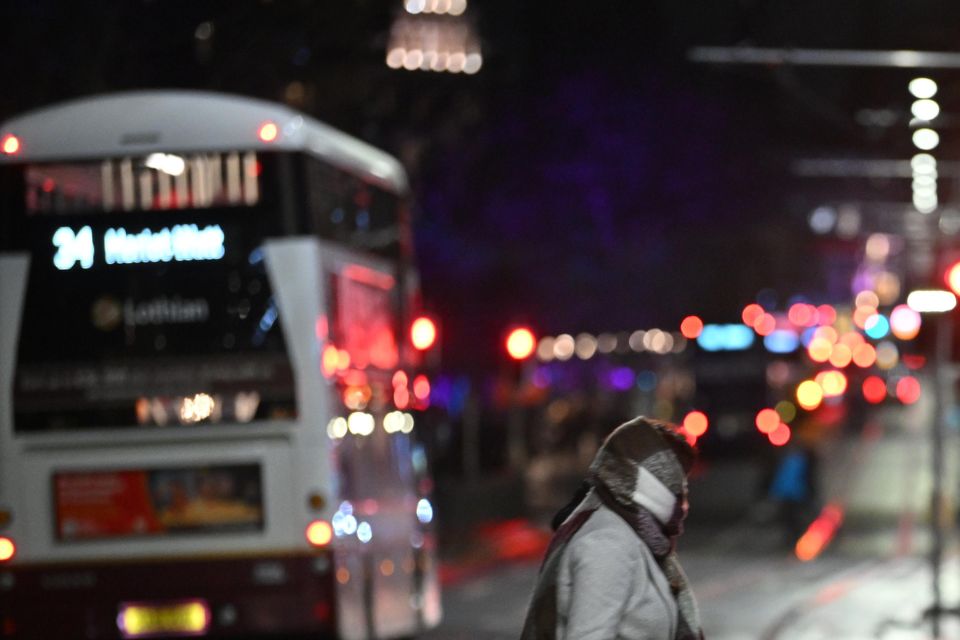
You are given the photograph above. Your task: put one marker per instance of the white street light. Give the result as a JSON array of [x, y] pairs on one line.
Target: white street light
[[931, 301]]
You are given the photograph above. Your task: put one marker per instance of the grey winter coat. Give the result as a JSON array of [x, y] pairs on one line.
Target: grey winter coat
[[609, 585]]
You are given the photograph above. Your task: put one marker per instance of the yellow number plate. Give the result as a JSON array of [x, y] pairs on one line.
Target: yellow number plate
[[145, 620]]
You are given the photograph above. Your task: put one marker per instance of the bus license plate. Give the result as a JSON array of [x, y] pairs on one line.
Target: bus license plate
[[145, 620]]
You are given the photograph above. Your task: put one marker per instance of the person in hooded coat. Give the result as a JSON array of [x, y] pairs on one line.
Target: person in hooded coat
[[611, 571]]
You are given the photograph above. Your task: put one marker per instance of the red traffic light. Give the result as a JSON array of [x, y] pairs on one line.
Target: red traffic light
[[423, 333], [521, 343]]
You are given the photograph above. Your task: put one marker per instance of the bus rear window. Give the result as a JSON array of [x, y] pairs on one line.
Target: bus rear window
[[159, 181]]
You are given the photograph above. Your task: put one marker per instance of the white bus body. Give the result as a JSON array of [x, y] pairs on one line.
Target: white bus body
[[250, 392]]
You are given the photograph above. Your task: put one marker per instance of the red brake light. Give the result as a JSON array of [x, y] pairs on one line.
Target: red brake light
[[268, 132], [319, 533], [10, 144], [7, 549]]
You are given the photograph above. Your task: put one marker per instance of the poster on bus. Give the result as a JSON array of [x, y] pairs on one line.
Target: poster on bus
[[142, 502]]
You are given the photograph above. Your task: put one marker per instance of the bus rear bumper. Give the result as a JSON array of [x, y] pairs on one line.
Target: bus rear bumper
[[281, 595]]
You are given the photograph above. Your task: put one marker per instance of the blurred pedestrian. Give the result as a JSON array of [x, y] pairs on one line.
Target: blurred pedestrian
[[611, 571], [793, 489]]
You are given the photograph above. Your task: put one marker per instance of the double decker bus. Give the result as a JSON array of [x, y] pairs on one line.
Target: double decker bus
[[207, 398]]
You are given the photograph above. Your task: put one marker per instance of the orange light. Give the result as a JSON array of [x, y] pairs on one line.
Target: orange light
[[841, 355], [826, 333], [819, 533], [809, 395], [802, 314], [861, 315], [908, 390], [329, 361], [423, 333], [10, 144], [319, 533], [780, 436], [7, 549], [401, 397], [951, 277], [268, 132], [750, 314], [767, 420], [852, 339], [399, 379], [864, 356], [695, 423], [421, 387], [521, 343], [343, 359], [833, 383], [765, 324], [819, 350], [826, 315], [874, 389], [691, 327]]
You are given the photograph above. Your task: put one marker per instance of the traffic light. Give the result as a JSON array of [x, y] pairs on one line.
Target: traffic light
[[520, 343], [423, 333]]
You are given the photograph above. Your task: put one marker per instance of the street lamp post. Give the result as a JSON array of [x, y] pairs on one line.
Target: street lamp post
[[940, 303]]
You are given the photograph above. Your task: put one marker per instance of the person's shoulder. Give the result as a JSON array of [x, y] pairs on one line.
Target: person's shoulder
[[606, 530]]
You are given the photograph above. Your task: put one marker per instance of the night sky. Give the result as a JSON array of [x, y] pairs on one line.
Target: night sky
[[589, 178]]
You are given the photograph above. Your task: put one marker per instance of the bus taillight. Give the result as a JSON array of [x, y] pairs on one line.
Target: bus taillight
[[319, 533], [10, 144], [7, 549], [268, 132]]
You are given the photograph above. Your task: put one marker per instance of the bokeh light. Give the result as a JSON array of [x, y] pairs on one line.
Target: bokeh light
[[887, 355], [867, 299], [802, 314], [765, 324], [521, 343], [864, 356], [782, 341], [690, 327], [851, 339], [809, 395], [695, 423], [862, 314], [833, 383], [874, 389], [423, 333], [904, 322], [841, 355], [780, 436], [820, 350], [767, 420], [786, 410], [908, 390], [922, 88], [877, 326], [563, 347], [926, 139], [750, 314], [826, 314]]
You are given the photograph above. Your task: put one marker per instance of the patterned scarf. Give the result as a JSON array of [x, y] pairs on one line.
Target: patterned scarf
[[620, 484]]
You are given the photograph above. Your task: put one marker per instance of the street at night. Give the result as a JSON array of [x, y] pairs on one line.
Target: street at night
[[462, 320]]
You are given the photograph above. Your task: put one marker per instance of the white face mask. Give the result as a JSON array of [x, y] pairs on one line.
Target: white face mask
[[654, 496]]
